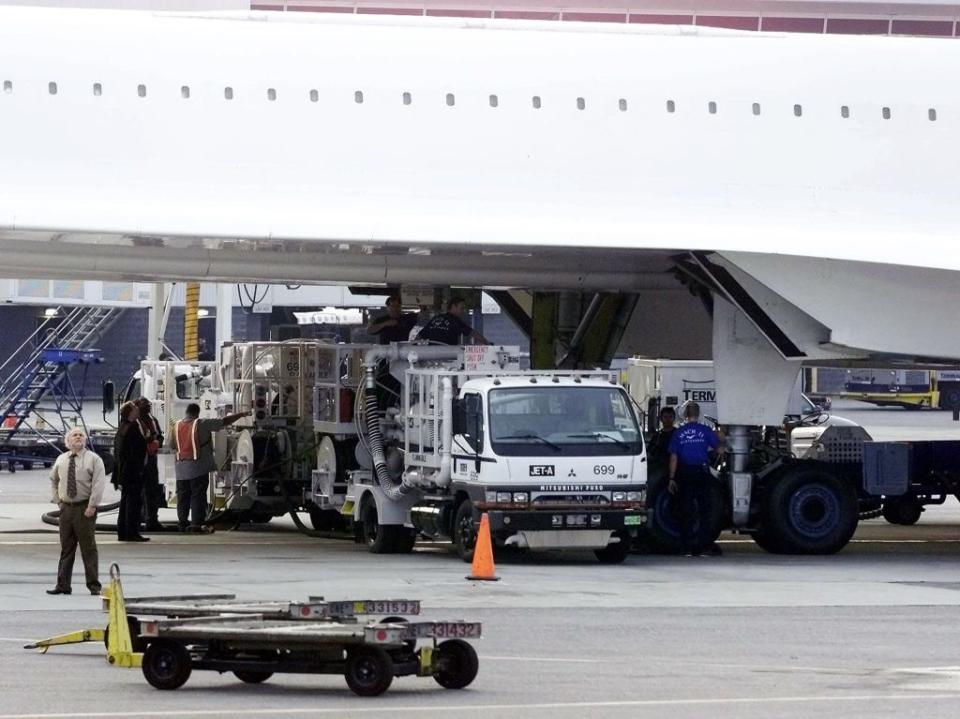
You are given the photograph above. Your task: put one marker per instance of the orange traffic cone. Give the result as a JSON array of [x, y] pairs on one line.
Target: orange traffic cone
[[483, 567]]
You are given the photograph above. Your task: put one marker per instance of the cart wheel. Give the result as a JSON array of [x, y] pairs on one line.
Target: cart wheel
[[457, 664], [138, 643], [369, 671], [251, 676], [166, 664], [410, 644]]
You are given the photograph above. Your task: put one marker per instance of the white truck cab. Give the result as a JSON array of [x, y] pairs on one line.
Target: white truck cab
[[555, 461]]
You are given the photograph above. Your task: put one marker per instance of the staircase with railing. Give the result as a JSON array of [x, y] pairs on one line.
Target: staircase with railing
[[40, 369]]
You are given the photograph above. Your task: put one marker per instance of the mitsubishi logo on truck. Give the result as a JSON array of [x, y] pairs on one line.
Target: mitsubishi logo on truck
[[542, 470]]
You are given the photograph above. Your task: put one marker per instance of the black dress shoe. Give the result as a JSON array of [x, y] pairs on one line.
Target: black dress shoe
[[96, 592], [139, 538], [58, 590]]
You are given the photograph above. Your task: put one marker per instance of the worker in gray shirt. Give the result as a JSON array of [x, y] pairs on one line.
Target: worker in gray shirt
[[78, 480], [193, 449]]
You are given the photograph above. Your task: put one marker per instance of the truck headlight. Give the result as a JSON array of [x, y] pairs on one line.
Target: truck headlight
[[504, 497], [490, 497], [619, 496], [521, 497], [634, 496]]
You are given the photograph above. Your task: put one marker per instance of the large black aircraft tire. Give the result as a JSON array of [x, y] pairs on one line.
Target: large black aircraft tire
[[809, 511], [765, 542], [663, 530]]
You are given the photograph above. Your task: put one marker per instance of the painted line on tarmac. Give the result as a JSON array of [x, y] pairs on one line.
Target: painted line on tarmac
[[564, 660], [787, 668], [639, 703], [214, 543]]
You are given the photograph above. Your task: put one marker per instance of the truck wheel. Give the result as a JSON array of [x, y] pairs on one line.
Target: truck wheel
[[765, 542], [137, 643], [902, 510], [465, 531], [950, 395], [326, 520], [384, 538], [615, 552], [457, 664], [406, 539], [410, 645], [663, 530], [166, 664], [252, 676], [371, 531], [810, 511], [369, 671]]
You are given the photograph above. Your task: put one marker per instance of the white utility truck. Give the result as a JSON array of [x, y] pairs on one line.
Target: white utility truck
[[555, 458], [412, 439], [171, 385]]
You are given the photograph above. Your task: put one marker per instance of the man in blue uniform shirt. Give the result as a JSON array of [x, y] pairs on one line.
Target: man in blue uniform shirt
[[690, 448]]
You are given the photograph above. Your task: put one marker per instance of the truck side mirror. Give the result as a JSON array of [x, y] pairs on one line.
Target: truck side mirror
[[109, 398]]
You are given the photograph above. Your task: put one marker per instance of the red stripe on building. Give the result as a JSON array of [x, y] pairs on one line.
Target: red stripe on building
[[595, 17], [320, 8], [388, 11], [662, 19], [857, 26], [452, 12], [728, 22], [792, 24], [525, 15], [928, 28]]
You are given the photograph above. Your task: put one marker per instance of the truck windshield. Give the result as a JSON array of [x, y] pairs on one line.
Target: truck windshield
[[571, 421]]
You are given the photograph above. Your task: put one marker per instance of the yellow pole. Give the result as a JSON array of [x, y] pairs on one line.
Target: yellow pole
[[191, 317]]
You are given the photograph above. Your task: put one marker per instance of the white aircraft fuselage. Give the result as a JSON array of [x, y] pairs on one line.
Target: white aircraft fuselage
[[819, 170]]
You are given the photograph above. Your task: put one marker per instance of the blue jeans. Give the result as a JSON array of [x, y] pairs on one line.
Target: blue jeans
[[192, 499]]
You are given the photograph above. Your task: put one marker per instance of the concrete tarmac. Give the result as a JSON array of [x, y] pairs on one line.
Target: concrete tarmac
[[870, 632]]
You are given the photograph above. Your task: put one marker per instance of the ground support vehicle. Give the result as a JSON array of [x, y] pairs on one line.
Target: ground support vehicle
[[410, 438], [253, 648], [256, 639], [264, 464], [171, 385], [555, 458], [169, 637], [939, 389], [798, 488]]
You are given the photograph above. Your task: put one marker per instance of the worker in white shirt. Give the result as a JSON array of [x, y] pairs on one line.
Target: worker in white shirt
[[78, 480]]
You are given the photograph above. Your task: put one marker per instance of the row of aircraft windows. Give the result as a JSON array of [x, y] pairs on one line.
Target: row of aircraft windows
[[450, 99]]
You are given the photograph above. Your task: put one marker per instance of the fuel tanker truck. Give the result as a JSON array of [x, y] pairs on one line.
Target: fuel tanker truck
[[398, 441]]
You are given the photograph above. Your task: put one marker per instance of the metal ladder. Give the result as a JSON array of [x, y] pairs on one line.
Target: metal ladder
[[51, 351]]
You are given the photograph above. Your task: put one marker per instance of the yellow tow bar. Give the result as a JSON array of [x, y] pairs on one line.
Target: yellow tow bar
[[119, 642]]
